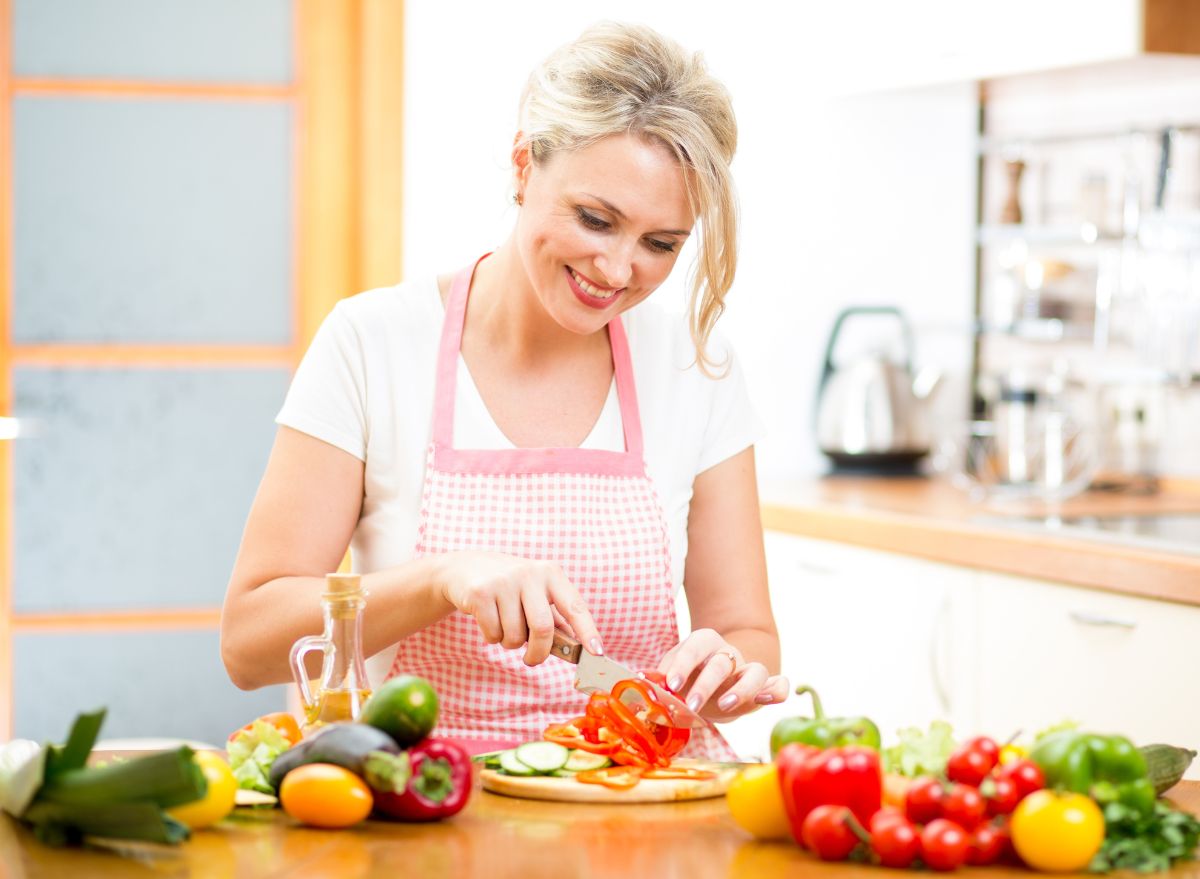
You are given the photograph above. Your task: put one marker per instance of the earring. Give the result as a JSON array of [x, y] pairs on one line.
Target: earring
[[518, 199]]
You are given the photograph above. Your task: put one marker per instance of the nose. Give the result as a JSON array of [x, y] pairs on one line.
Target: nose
[[615, 264]]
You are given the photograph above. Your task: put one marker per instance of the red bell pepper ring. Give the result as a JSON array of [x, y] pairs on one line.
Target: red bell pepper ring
[[689, 773], [846, 776], [614, 777], [636, 736], [439, 787], [569, 735]]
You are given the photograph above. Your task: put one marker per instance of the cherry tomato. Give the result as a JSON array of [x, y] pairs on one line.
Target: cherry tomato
[[964, 805], [988, 844], [971, 761], [1026, 774], [923, 801], [1001, 794], [895, 840], [324, 795], [826, 833], [944, 845]]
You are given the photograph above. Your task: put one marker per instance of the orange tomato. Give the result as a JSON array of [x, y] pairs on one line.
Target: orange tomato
[[281, 720], [324, 795]]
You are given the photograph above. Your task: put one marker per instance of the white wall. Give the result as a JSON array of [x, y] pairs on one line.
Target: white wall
[[844, 200]]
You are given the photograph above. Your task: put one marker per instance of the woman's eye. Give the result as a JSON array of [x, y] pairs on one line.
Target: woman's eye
[[592, 221], [662, 246]]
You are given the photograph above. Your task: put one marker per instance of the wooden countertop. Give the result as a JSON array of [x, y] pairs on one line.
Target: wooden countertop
[[931, 519], [495, 837]]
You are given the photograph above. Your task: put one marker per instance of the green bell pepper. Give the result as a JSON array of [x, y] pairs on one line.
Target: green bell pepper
[[821, 731], [1107, 768]]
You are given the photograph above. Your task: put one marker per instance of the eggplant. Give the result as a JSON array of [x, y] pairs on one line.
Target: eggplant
[[349, 745]]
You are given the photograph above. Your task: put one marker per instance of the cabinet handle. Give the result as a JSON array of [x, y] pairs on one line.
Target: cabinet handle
[[935, 660], [1087, 618]]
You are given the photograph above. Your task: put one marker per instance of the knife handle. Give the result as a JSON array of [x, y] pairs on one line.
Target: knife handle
[[566, 647]]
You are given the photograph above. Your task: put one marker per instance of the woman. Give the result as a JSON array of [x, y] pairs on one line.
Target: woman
[[556, 455]]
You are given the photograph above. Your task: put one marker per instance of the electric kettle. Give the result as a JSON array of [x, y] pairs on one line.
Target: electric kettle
[[871, 412]]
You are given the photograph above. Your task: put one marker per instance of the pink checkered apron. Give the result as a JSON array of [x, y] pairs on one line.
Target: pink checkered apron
[[593, 512]]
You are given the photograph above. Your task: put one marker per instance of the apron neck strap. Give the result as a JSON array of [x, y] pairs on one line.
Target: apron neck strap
[[447, 368]]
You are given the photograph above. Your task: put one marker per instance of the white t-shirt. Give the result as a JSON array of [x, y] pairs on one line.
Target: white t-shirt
[[366, 386]]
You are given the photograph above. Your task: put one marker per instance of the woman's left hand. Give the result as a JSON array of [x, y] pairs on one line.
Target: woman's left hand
[[716, 681]]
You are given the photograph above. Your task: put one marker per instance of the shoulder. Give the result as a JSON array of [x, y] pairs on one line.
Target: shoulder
[[407, 307], [661, 339]]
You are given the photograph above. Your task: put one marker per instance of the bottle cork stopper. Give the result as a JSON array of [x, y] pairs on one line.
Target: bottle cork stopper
[[340, 585]]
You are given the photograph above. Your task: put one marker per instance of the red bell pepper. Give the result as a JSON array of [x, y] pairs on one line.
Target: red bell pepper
[[846, 776], [439, 787]]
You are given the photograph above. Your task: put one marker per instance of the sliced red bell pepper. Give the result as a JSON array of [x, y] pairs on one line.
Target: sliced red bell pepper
[[571, 736], [846, 776], [634, 733], [614, 777], [686, 772]]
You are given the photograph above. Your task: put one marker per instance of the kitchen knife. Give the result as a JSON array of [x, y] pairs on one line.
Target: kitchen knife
[[598, 674]]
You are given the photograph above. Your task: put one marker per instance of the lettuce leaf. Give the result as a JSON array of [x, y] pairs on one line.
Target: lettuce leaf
[[252, 753], [920, 753]]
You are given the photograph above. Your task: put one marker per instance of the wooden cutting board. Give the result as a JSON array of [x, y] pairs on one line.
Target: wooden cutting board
[[648, 790]]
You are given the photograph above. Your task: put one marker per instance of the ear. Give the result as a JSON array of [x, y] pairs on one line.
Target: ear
[[522, 161]]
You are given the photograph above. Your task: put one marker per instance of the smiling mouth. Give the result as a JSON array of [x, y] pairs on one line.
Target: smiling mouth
[[591, 289]]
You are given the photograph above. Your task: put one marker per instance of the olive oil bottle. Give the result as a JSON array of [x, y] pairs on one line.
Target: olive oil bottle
[[343, 687]]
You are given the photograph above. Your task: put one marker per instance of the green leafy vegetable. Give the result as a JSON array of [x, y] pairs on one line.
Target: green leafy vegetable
[[920, 753], [1146, 842], [252, 753], [52, 789]]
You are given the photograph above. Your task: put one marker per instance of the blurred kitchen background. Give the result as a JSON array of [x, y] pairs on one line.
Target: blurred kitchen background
[[1005, 194]]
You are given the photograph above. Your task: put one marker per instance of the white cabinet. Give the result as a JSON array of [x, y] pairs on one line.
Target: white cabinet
[[875, 633], [905, 641], [1115, 663]]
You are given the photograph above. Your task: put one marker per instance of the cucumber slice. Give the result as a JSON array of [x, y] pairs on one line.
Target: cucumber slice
[[562, 773], [582, 760], [542, 757], [511, 765]]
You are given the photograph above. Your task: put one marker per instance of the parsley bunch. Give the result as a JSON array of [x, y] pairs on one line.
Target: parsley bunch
[[1146, 843]]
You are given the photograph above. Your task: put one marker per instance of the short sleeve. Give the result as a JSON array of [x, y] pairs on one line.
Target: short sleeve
[[733, 424], [327, 397]]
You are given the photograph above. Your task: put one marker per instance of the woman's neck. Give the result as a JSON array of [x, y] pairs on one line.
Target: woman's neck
[[505, 310]]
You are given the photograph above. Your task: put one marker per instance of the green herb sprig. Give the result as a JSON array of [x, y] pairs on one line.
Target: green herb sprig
[[1146, 843]]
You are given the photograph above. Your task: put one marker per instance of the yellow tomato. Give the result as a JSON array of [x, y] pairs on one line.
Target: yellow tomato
[[1012, 753], [324, 795], [217, 801], [1057, 833], [756, 802]]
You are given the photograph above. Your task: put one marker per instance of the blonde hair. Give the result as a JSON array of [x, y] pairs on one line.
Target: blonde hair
[[619, 78]]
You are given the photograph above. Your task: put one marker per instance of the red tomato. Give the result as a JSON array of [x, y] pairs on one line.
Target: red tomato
[[894, 839], [826, 833], [973, 760], [944, 845], [923, 801], [964, 805], [1026, 774], [1001, 794], [988, 844]]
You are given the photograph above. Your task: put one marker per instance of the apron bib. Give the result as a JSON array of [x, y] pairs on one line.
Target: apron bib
[[593, 512]]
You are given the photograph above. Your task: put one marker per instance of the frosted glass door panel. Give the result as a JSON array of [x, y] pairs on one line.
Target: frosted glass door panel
[[134, 491], [196, 40], [168, 683], [140, 220]]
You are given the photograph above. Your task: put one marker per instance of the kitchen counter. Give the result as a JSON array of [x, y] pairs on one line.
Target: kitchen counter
[[931, 519], [495, 837]]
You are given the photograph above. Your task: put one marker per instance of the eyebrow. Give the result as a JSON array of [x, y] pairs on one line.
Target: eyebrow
[[683, 233]]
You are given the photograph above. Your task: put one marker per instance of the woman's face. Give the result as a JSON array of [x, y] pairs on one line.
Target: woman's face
[[601, 227]]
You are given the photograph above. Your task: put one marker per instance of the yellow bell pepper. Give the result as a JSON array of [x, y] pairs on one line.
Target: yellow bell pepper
[[756, 802]]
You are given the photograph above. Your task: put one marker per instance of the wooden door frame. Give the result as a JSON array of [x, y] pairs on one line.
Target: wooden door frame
[[348, 140]]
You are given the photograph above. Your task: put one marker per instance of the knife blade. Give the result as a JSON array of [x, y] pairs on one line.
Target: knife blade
[[598, 674]]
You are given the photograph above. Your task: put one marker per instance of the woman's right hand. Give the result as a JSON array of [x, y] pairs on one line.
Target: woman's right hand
[[515, 601]]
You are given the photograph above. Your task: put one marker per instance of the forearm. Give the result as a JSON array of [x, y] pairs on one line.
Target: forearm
[[756, 645], [259, 625]]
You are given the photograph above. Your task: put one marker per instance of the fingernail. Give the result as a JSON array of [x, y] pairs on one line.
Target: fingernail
[[693, 702], [727, 701], [675, 682], [764, 698], [594, 644]]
